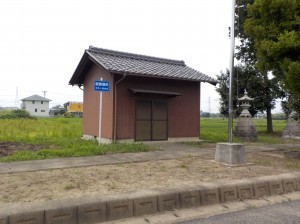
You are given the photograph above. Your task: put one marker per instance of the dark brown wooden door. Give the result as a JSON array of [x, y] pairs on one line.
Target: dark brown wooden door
[[151, 120], [143, 120]]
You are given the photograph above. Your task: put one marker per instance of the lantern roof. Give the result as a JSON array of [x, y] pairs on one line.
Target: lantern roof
[[245, 97]]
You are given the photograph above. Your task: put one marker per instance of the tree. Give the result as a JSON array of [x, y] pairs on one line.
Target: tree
[[16, 114], [205, 114], [246, 78], [259, 85], [57, 110], [245, 49], [274, 26]]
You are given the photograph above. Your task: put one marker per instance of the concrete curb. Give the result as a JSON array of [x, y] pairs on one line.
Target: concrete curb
[[105, 208]]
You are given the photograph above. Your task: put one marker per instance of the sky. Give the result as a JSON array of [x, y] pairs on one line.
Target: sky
[[42, 41]]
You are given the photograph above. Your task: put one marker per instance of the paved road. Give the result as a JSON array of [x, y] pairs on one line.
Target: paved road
[[284, 213]]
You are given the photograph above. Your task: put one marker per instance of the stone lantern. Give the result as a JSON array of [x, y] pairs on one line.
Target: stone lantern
[[245, 104], [245, 128], [292, 128]]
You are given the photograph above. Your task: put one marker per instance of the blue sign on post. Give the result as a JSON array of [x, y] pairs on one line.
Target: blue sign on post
[[101, 86]]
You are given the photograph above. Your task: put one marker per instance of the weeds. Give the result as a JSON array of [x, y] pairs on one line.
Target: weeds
[[293, 164], [251, 206], [111, 186], [14, 114], [163, 168], [183, 165], [62, 134], [69, 186]]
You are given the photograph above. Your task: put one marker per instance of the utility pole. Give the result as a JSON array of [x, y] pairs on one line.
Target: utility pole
[[231, 153], [17, 97], [44, 93], [231, 68]]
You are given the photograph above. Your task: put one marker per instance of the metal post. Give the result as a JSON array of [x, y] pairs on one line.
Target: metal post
[[231, 68], [100, 116]]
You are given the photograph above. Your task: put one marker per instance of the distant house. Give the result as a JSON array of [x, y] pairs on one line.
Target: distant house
[[57, 110], [149, 98], [36, 105], [75, 108]]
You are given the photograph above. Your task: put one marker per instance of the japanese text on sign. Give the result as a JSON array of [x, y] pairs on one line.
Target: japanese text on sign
[[102, 86]]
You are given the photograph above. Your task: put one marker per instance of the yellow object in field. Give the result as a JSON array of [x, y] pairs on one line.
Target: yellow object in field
[[75, 107]]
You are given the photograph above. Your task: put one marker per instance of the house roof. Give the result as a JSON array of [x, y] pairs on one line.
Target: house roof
[[138, 65], [35, 97]]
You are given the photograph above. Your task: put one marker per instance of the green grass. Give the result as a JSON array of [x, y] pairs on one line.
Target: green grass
[[183, 165], [40, 131], [270, 138], [61, 135], [213, 130], [216, 130], [69, 186], [4, 112]]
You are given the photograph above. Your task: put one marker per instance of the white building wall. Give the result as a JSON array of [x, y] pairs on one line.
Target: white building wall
[[36, 108]]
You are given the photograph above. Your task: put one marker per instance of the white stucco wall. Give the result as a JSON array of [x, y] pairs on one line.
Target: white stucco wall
[[36, 108]]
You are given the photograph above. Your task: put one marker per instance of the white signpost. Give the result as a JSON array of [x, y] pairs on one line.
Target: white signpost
[[100, 86]]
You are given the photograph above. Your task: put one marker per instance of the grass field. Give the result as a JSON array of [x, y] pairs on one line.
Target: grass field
[[216, 130], [61, 137]]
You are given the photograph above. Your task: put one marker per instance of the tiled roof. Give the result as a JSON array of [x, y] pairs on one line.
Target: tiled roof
[[35, 97], [141, 65]]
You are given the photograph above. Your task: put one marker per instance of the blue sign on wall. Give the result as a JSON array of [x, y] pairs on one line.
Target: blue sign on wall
[[101, 86]]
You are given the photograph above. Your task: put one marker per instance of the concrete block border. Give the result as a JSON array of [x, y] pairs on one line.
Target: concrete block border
[[89, 213], [119, 206], [261, 188], [145, 205]]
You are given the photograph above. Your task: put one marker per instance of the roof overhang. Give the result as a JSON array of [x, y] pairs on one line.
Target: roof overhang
[[88, 59], [155, 92]]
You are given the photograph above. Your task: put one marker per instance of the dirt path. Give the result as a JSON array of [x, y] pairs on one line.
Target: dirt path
[[107, 179], [8, 148]]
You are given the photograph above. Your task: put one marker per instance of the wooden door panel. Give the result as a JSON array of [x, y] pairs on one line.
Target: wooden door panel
[[143, 131], [159, 130], [151, 120], [159, 120], [143, 110], [159, 111]]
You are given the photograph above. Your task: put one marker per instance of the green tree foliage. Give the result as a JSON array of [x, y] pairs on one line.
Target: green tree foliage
[[245, 48], [274, 26], [260, 86], [246, 78], [14, 114]]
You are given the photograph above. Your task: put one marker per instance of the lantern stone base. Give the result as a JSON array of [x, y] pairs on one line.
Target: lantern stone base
[[230, 153], [292, 128], [245, 129]]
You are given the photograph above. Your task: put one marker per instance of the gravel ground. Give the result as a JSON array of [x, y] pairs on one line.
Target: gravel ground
[[108, 179]]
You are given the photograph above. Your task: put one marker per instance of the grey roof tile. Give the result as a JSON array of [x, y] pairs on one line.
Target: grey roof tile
[[141, 65], [116, 61], [35, 97]]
